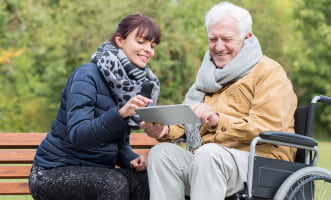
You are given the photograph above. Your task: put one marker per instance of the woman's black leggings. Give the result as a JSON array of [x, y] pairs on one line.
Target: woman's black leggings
[[87, 183]]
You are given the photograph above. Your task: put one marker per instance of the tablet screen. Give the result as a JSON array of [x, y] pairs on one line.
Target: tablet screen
[[168, 114]]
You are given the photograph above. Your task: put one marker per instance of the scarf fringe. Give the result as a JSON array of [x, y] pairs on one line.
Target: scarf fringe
[[192, 141]]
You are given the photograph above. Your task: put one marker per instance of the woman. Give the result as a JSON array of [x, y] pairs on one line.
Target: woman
[[90, 134]]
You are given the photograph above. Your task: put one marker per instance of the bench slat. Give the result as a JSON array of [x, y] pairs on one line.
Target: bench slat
[[16, 157], [14, 172], [26, 157], [14, 188], [32, 140], [142, 140], [22, 141], [141, 151]]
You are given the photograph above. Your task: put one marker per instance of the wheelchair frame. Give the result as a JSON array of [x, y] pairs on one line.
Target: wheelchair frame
[[287, 139]]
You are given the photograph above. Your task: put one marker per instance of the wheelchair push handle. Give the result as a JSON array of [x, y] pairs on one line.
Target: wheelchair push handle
[[325, 99], [322, 99]]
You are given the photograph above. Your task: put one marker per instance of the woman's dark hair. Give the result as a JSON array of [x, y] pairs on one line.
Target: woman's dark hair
[[147, 28]]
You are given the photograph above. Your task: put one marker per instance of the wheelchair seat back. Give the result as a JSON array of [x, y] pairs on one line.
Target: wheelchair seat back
[[269, 174]]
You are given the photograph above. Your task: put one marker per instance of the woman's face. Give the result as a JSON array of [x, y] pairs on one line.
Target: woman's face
[[138, 50]]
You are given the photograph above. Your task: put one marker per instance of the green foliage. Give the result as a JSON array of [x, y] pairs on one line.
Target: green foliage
[[43, 41], [310, 54], [183, 45]]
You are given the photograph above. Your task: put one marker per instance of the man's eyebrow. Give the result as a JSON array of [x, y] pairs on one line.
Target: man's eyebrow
[[228, 35], [224, 36]]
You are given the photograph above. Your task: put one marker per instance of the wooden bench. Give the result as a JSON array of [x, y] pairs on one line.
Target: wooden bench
[[17, 151]]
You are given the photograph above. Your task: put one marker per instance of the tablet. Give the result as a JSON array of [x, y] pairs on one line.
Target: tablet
[[168, 114]]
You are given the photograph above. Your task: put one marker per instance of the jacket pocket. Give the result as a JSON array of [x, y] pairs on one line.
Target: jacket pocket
[[245, 95]]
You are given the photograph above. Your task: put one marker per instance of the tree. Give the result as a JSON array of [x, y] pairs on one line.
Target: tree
[[310, 54], [53, 37]]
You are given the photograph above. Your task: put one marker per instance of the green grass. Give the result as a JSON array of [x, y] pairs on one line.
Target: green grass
[[16, 197], [324, 161]]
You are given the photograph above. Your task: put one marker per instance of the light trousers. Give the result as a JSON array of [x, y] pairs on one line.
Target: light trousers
[[213, 172]]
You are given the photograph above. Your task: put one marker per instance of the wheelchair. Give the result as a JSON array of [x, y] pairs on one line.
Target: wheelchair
[[282, 180]]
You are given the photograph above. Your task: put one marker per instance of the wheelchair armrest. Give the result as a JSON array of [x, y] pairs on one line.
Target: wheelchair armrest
[[289, 137]]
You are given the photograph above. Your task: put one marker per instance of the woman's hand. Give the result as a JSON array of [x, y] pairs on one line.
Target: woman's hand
[[206, 114], [135, 102], [154, 130], [139, 163]]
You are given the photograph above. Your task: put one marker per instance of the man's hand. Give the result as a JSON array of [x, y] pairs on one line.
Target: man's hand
[[154, 130], [139, 163], [206, 114]]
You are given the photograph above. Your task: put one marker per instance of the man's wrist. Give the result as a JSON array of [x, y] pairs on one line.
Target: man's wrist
[[217, 119], [164, 132]]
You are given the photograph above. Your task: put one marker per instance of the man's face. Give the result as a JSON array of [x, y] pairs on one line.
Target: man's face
[[224, 41]]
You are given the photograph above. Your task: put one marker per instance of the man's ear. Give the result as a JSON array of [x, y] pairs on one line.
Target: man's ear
[[248, 35], [118, 41]]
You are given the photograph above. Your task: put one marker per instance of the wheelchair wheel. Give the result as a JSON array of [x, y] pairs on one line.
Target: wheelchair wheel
[[307, 183]]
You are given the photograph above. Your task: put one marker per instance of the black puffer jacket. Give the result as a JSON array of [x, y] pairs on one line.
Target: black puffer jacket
[[88, 130]]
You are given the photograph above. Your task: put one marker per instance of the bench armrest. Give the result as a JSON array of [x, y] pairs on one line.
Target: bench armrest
[[289, 138]]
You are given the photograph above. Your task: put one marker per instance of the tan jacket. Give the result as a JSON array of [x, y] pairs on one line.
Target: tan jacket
[[263, 100]]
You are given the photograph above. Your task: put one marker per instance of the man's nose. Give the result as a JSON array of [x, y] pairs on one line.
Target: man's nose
[[219, 46]]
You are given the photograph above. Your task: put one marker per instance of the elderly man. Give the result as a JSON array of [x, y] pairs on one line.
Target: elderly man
[[238, 93]]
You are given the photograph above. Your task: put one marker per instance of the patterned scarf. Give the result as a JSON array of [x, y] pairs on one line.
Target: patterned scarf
[[241, 65], [125, 79]]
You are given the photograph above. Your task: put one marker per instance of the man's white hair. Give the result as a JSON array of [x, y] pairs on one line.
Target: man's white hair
[[225, 9]]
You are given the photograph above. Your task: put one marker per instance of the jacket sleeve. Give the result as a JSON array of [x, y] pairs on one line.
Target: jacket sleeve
[[125, 154], [271, 108], [175, 132], [84, 128]]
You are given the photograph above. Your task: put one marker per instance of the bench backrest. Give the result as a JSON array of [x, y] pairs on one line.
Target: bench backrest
[[17, 151]]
